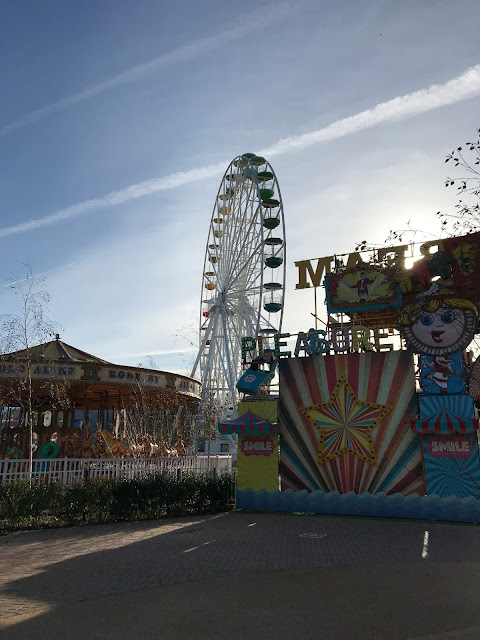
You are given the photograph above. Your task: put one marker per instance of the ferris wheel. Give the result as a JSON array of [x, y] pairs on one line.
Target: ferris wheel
[[243, 277]]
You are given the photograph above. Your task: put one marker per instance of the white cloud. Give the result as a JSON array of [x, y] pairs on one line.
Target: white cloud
[[129, 295], [255, 20], [463, 87]]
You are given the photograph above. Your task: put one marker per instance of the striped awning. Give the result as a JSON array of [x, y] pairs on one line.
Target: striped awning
[[449, 413], [247, 424], [445, 422]]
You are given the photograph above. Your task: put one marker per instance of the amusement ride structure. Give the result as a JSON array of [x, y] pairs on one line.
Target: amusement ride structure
[[243, 278]]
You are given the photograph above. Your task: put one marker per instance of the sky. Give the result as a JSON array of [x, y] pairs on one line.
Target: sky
[[118, 119]]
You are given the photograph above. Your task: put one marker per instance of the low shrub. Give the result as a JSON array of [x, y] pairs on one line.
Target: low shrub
[[25, 506]]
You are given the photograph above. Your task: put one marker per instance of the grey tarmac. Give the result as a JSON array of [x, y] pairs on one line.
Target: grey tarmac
[[243, 575]]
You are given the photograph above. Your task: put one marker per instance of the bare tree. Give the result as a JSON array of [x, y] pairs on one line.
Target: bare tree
[[467, 215], [465, 218], [20, 332]]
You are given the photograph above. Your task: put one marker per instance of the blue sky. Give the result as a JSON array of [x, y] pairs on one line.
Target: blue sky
[[102, 97]]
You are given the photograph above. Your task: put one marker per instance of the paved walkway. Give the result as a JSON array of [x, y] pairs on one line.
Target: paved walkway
[[240, 575]]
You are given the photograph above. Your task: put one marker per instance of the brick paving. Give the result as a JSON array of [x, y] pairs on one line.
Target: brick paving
[[40, 569]]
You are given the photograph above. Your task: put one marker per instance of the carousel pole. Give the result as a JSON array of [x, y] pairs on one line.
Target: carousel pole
[[105, 418], [86, 415]]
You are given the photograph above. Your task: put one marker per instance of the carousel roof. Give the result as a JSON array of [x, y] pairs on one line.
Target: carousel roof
[[58, 350], [90, 377]]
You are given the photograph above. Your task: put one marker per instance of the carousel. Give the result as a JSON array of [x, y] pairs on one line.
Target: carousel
[[85, 407]]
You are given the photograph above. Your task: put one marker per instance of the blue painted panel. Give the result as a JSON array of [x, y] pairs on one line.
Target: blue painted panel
[[460, 406], [452, 465], [442, 374]]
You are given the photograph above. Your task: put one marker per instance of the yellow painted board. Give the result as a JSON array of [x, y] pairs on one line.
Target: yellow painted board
[[265, 409], [257, 462]]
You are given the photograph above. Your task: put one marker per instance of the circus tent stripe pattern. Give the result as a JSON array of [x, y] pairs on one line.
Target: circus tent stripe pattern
[[446, 414], [444, 422], [248, 424], [377, 378]]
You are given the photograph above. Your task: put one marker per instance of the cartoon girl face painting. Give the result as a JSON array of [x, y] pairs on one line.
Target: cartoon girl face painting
[[440, 328], [439, 323]]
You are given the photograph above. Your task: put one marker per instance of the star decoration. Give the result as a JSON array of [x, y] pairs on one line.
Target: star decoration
[[346, 424]]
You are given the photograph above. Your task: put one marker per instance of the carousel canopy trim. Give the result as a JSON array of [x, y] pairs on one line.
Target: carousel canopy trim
[[248, 424], [57, 350]]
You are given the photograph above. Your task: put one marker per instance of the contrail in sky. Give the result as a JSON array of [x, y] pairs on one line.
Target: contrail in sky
[[152, 352], [253, 21], [37, 275], [464, 86]]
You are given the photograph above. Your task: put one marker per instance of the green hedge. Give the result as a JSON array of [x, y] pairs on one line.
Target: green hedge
[[98, 501]]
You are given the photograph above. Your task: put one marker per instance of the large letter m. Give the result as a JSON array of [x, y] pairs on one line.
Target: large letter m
[[305, 266]]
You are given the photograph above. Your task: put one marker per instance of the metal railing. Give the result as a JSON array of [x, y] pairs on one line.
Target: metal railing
[[70, 470]]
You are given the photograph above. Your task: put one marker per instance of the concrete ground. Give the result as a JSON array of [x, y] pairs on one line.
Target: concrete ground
[[240, 575]]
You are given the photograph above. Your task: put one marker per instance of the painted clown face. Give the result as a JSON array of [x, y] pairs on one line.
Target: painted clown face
[[440, 328], [441, 332]]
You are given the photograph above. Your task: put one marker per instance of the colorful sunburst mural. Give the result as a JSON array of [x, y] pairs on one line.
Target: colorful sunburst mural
[[346, 424]]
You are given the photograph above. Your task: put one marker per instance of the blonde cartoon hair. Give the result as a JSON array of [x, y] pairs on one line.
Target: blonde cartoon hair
[[430, 303]]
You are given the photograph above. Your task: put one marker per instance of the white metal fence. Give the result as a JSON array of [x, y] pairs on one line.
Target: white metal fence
[[69, 470]]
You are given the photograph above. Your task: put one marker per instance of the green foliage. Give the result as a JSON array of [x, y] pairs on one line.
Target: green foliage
[[98, 501]]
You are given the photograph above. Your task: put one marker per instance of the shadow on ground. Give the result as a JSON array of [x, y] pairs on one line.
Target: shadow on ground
[[244, 576], [389, 602]]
